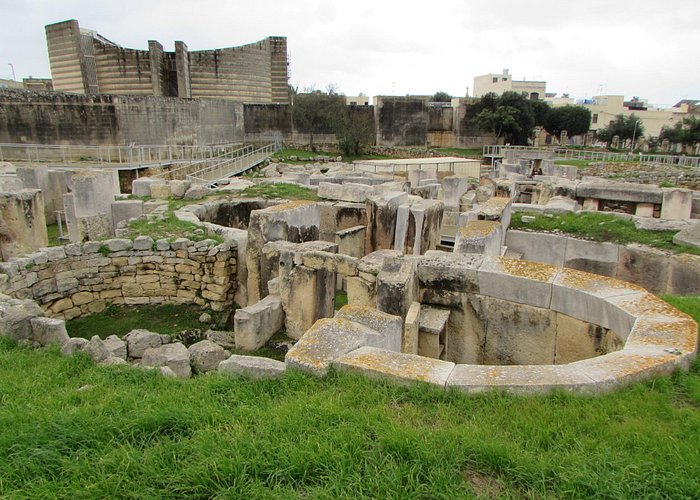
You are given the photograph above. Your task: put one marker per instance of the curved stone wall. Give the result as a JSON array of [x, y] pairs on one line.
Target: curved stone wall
[[657, 338], [656, 270], [79, 279]]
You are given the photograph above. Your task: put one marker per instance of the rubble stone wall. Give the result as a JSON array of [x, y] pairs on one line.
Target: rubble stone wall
[[79, 279]]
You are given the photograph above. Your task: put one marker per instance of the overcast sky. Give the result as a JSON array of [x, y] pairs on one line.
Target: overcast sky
[[649, 49]]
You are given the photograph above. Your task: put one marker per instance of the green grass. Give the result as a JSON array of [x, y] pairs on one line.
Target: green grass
[[72, 429], [170, 228], [575, 163], [461, 151], [341, 299], [120, 320], [280, 190], [601, 227], [52, 231], [689, 305], [302, 155]]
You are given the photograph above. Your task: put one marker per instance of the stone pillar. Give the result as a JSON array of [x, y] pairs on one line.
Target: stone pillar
[[182, 65], [644, 210], [159, 72], [382, 210], [22, 223], [591, 204], [89, 207]]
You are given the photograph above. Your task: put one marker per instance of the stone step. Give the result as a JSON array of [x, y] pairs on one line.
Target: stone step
[[433, 319]]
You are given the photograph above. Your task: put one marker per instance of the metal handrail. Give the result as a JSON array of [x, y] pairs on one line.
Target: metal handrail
[[223, 170], [193, 167]]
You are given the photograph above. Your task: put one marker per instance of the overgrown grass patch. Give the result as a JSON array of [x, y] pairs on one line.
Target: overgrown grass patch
[[170, 228], [600, 227], [119, 320], [469, 152], [280, 190]]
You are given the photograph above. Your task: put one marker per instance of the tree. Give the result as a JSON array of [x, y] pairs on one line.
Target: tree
[[540, 111], [317, 112], [576, 120], [685, 132], [625, 127], [441, 96], [509, 115]]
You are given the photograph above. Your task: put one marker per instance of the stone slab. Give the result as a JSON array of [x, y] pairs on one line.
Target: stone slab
[[519, 281], [387, 326]]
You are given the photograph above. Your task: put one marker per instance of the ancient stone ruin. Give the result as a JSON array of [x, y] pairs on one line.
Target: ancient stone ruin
[[439, 289]]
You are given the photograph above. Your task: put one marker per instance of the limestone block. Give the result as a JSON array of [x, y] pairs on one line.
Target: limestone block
[[357, 193], [677, 203], [537, 247], [684, 275], [143, 243], [361, 292], [125, 210], [351, 241], [590, 297], [381, 220], [116, 347], [196, 192], [205, 356], [593, 204], [22, 223], [175, 356], [72, 345], [453, 188], [638, 193], [331, 262], [326, 340], [482, 237], [689, 236], [387, 326], [519, 379], [178, 188], [409, 343], [138, 341], [252, 367], [577, 340], [160, 190], [643, 210], [118, 244], [519, 281], [677, 333], [591, 256], [96, 349], [400, 368], [142, 187], [518, 334], [644, 266], [15, 318], [397, 286], [221, 337], [372, 263], [255, 325], [47, 331], [561, 204]]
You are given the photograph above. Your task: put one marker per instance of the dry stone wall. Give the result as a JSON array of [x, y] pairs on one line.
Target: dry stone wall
[[79, 279]]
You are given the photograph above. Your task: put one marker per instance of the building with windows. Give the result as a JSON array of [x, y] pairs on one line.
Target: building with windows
[[503, 82], [84, 62]]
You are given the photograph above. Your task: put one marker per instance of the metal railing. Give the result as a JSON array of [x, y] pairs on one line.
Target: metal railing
[[102, 155], [498, 151], [192, 168], [230, 167]]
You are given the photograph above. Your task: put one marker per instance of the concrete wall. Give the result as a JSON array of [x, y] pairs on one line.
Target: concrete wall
[[52, 118]]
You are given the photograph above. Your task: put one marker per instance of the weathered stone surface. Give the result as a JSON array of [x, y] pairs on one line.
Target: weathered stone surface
[[15, 318], [205, 356], [142, 187], [401, 368], [178, 188], [590, 297], [483, 237], [255, 325], [689, 236], [175, 356], [113, 361], [639, 193], [560, 204], [143, 243], [447, 271], [397, 286], [332, 262], [115, 346], [196, 192], [677, 203], [345, 192], [684, 275], [387, 326], [72, 345], [516, 280], [252, 367], [118, 244], [593, 257], [644, 266], [326, 340], [381, 220], [96, 349], [47, 331], [409, 344], [577, 340], [138, 341], [538, 247]]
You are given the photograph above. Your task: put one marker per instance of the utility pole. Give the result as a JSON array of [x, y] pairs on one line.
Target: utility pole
[[13, 72]]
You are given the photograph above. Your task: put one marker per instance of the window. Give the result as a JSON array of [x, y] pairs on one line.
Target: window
[[505, 79], [534, 96], [595, 118], [495, 80]]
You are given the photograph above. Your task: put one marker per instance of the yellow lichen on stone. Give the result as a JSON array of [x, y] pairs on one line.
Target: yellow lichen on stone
[[588, 282], [527, 269], [291, 205], [478, 228]]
